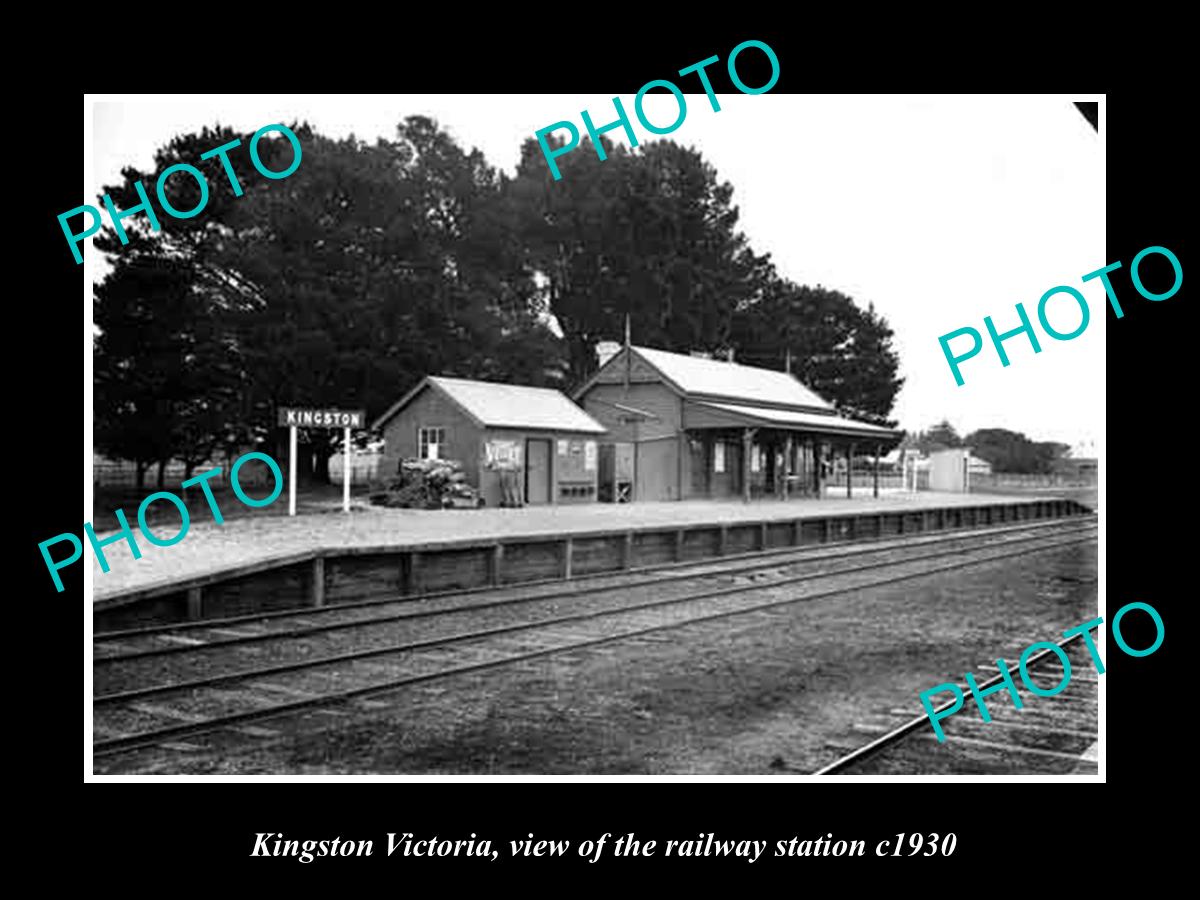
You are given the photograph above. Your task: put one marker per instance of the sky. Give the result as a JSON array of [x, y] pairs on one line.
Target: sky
[[939, 210]]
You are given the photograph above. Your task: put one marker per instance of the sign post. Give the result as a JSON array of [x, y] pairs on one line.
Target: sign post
[[311, 417], [346, 472], [292, 470]]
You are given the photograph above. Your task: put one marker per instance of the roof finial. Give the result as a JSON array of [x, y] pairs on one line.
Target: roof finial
[[787, 360], [628, 355]]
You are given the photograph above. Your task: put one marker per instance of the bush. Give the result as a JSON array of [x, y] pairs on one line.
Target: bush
[[427, 484]]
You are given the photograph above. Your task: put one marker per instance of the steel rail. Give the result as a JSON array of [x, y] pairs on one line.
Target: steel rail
[[308, 630], [428, 643], [914, 539], [894, 736], [155, 736]]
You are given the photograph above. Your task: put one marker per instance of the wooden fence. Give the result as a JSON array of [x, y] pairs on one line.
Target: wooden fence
[[107, 473]]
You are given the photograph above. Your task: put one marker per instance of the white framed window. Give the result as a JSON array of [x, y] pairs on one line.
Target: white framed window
[[430, 442], [719, 457]]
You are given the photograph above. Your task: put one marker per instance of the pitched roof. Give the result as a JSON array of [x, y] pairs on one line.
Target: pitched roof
[[495, 405], [695, 375]]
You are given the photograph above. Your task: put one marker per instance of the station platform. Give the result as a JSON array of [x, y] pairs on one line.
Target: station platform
[[240, 548]]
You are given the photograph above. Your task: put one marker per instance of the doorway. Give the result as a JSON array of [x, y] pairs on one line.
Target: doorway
[[698, 465], [537, 471]]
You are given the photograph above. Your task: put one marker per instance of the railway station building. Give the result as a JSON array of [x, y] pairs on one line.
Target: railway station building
[[517, 445], [683, 427]]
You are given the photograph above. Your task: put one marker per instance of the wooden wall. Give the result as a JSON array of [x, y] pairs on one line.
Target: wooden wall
[[656, 439], [465, 443], [431, 409], [332, 577]]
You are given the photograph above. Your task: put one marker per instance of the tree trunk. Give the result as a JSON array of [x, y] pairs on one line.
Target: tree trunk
[[140, 467], [162, 469], [188, 468], [581, 359], [323, 453], [306, 462]]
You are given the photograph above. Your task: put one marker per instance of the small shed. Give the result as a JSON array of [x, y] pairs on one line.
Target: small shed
[[505, 435], [977, 466], [953, 469]]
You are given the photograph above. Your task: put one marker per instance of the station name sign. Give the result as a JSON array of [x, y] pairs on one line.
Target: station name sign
[[308, 417]]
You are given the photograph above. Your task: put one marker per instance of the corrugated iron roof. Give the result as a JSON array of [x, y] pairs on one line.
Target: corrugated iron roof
[[795, 418], [696, 375], [517, 406]]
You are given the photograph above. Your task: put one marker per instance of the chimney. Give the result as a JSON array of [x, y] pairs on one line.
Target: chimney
[[729, 355]]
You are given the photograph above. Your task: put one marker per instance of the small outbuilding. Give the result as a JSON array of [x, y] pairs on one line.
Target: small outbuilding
[[953, 469], [517, 444]]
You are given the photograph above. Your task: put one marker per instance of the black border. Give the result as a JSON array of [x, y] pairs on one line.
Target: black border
[[207, 834]]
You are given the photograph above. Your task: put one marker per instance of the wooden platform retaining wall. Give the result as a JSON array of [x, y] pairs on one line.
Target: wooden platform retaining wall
[[343, 575]]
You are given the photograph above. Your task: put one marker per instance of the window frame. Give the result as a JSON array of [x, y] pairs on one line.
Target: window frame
[[423, 442]]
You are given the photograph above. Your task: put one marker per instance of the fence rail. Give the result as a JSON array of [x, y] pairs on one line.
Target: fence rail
[[888, 480], [108, 473], [1013, 480]]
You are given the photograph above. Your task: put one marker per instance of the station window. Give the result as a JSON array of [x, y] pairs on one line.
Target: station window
[[431, 441]]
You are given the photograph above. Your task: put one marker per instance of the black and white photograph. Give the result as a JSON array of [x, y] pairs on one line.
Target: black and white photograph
[[532, 435]]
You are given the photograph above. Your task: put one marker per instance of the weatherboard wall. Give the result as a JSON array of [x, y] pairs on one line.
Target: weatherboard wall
[[431, 409], [465, 440], [656, 435]]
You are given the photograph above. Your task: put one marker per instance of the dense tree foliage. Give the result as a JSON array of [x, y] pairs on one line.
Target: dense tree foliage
[[167, 381], [1011, 451], [651, 234], [1007, 451], [372, 265], [342, 284], [838, 349], [941, 436]]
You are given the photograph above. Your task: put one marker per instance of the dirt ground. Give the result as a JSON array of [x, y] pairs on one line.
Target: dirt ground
[[747, 695]]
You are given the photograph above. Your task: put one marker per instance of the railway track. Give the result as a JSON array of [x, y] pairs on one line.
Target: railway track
[[1049, 735], [413, 647], [188, 637], [129, 676]]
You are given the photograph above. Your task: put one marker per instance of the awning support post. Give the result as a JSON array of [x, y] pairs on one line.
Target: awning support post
[[849, 471], [877, 470], [787, 464], [747, 447], [818, 466]]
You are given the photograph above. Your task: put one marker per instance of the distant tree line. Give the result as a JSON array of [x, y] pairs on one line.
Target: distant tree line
[[1007, 451], [373, 265]]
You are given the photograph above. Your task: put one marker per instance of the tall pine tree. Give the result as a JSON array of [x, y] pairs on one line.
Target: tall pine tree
[[838, 349], [650, 234]]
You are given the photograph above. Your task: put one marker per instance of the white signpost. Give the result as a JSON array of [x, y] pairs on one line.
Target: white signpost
[[311, 417]]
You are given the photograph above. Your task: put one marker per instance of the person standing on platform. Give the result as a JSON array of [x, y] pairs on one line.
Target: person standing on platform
[[504, 457]]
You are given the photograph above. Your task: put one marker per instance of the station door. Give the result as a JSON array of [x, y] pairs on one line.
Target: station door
[[537, 471]]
